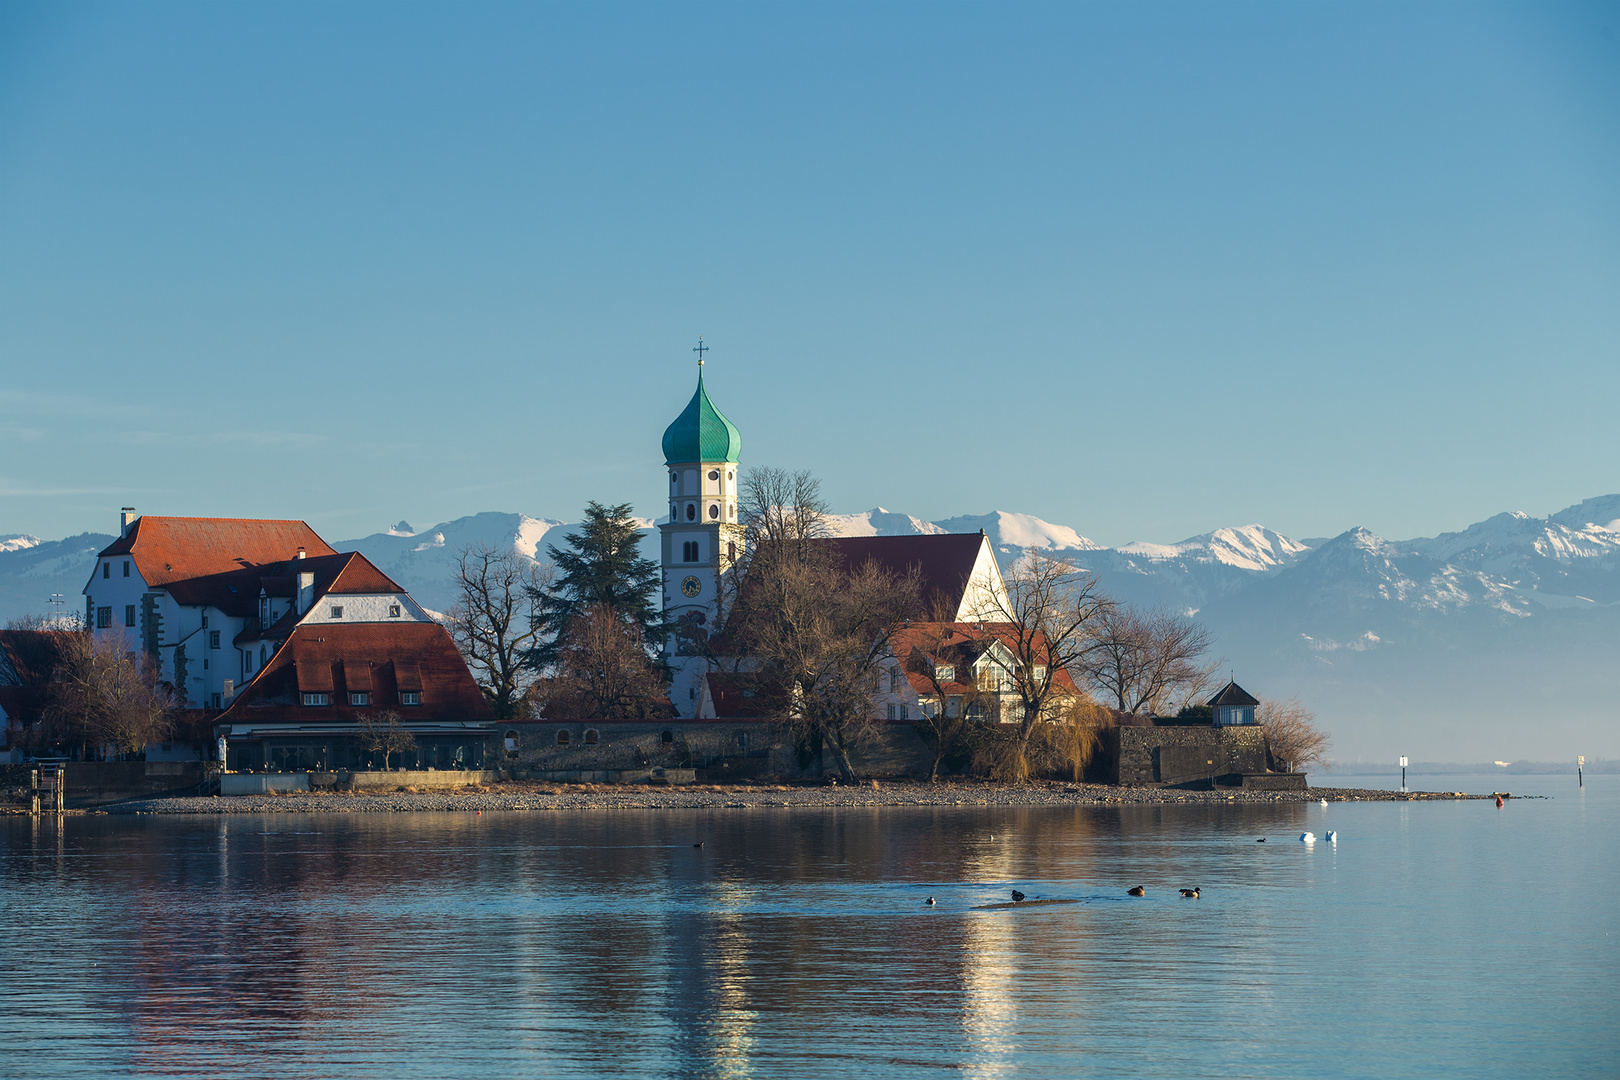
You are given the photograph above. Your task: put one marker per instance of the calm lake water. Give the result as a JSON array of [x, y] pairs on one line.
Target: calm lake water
[[1441, 939]]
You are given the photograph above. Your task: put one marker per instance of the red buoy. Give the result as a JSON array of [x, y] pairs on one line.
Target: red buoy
[[1499, 800]]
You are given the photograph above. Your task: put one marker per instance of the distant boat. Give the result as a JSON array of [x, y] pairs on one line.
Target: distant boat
[[1503, 764]]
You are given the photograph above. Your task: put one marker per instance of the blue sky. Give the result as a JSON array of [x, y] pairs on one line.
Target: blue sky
[[1144, 270]]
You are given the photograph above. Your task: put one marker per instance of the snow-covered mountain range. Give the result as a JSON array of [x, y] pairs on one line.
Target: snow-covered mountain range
[[1501, 640]]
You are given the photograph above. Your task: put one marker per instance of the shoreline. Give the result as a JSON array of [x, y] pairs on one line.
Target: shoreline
[[520, 796]]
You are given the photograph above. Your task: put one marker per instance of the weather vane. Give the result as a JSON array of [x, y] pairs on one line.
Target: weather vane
[[700, 349]]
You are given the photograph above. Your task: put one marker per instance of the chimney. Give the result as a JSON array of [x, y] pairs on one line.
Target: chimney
[[125, 519], [301, 553], [230, 691], [306, 587]]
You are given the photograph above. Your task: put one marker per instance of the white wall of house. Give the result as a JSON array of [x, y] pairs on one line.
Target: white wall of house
[[365, 608]]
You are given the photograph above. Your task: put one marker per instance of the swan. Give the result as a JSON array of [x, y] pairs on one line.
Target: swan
[[1333, 837], [1324, 802], [1308, 837]]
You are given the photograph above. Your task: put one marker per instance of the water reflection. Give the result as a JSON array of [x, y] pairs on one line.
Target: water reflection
[[792, 943]]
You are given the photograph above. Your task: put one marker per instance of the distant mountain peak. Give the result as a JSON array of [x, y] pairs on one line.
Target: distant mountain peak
[[18, 542]]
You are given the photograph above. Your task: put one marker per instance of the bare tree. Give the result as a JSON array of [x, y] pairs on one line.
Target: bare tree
[[1291, 731], [104, 692], [810, 634], [382, 733], [497, 621], [1049, 615], [936, 654], [603, 672], [1147, 662]]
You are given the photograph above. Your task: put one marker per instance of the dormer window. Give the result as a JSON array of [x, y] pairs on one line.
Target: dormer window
[[317, 699], [393, 611], [410, 697], [337, 611], [359, 698], [945, 672]]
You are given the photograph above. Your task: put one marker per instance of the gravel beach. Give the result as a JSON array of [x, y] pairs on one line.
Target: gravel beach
[[533, 796]]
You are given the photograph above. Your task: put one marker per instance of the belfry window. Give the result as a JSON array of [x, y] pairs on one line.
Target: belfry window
[[714, 511], [691, 511]]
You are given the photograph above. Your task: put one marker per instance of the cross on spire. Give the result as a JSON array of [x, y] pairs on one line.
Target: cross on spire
[[700, 349]]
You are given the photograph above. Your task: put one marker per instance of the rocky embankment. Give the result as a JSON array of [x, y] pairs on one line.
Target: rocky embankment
[[532, 796]]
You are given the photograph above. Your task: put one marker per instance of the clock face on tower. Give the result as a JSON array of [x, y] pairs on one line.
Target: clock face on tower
[[691, 586]]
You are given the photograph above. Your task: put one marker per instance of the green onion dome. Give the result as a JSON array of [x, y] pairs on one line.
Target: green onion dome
[[701, 433]]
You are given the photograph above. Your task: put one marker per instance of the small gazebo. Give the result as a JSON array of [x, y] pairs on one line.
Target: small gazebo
[[1233, 706]]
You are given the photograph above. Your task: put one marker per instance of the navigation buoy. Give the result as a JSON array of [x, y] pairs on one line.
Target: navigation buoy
[[1499, 800]]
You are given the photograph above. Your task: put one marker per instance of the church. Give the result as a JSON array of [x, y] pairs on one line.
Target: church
[[700, 544]]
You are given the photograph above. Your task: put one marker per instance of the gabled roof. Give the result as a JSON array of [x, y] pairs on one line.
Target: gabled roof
[[329, 658], [1233, 695], [961, 644], [945, 560], [237, 593], [701, 432], [170, 549]]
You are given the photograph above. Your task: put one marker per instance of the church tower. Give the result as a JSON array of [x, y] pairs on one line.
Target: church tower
[[702, 539]]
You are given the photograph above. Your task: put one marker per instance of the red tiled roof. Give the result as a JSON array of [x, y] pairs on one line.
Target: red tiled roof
[[28, 657], [168, 549], [732, 700], [945, 560], [237, 593], [960, 644], [396, 655]]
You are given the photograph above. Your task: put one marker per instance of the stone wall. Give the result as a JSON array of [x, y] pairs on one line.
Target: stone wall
[[718, 750], [93, 783], [1184, 753]]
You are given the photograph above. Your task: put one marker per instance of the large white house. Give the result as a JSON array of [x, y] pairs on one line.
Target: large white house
[[210, 600]]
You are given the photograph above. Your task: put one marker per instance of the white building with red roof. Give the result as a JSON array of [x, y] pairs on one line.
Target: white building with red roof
[[291, 641]]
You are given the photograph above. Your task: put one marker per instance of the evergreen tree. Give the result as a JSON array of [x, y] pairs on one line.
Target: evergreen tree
[[602, 568]]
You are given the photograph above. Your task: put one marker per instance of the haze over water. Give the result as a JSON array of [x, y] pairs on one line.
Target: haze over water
[[1442, 938]]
